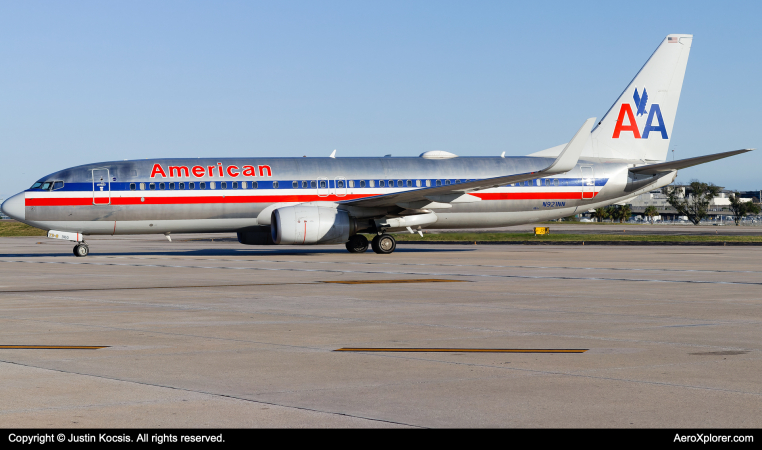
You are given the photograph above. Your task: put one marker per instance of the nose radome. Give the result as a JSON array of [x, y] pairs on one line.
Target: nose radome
[[14, 207]]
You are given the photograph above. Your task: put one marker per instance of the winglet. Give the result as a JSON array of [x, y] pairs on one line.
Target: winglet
[[570, 154]]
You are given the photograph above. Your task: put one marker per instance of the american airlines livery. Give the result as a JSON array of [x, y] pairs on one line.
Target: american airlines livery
[[331, 200]]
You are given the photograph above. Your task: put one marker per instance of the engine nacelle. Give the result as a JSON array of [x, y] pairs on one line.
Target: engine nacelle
[[310, 225], [256, 236]]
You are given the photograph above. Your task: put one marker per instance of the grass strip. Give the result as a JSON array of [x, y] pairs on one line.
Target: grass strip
[[13, 228]]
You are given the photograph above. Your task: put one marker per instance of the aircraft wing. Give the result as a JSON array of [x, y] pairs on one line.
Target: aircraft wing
[[654, 169], [441, 196]]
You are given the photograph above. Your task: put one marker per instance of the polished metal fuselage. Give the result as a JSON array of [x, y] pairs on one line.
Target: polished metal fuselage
[[133, 197]]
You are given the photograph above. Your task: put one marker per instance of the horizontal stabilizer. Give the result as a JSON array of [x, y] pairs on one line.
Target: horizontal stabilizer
[[669, 166]]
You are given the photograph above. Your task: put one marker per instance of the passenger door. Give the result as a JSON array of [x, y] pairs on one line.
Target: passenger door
[[101, 187]]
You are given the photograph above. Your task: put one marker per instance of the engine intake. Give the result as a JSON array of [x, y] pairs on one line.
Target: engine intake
[[304, 225]]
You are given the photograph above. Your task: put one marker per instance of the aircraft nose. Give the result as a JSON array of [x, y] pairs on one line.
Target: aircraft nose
[[14, 207]]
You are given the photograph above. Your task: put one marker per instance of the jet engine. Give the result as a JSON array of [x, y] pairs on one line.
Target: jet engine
[[301, 224]]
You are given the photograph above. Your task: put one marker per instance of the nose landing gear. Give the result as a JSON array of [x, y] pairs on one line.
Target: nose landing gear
[[81, 249]]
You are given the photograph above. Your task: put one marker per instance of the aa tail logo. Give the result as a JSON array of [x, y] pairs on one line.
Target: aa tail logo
[[641, 101]]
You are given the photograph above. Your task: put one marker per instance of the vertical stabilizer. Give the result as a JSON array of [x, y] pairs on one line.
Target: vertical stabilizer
[[639, 124]]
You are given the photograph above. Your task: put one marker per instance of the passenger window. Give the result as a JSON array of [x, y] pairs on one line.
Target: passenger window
[[212, 185], [313, 184], [362, 183], [161, 186], [235, 185], [339, 183], [132, 186], [417, 183], [152, 186], [447, 182], [192, 185], [372, 183], [428, 183], [555, 182], [400, 183], [295, 184], [323, 184], [58, 185], [223, 185], [254, 185], [181, 185], [409, 183], [275, 185], [351, 183], [439, 182], [243, 185], [381, 183], [142, 186], [172, 186], [202, 185]]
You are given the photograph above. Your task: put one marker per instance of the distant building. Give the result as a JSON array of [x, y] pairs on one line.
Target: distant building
[[720, 205], [753, 195]]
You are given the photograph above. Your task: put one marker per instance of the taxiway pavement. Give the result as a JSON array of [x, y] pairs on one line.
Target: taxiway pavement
[[215, 334]]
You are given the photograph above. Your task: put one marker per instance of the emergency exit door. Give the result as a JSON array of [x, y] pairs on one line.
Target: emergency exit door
[[588, 182]]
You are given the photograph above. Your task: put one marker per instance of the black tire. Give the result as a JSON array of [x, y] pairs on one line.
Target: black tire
[[76, 247], [81, 250], [357, 244], [384, 244]]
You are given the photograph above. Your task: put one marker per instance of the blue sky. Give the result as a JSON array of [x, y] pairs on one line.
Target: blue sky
[[83, 82]]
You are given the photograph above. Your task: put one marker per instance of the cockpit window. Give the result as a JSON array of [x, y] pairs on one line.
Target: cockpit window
[[36, 185], [58, 185], [46, 185]]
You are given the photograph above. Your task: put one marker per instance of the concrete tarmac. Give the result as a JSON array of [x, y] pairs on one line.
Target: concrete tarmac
[[216, 334]]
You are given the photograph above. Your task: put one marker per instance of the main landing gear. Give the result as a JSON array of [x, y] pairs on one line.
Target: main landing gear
[[383, 244], [357, 244], [81, 249]]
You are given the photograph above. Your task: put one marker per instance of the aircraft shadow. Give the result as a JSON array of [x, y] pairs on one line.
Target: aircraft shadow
[[231, 252]]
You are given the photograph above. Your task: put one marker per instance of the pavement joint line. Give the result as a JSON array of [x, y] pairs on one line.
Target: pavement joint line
[[571, 374], [496, 332], [535, 277], [440, 265], [466, 305], [214, 394], [402, 281]]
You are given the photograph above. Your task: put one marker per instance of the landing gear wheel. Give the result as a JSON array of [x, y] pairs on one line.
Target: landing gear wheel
[[357, 244], [81, 250], [384, 244]]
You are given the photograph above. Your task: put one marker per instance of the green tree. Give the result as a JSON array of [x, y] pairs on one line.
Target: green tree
[[651, 212], [620, 212], [695, 203], [600, 214], [741, 209]]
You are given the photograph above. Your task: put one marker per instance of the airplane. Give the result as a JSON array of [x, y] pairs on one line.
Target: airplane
[[304, 201]]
